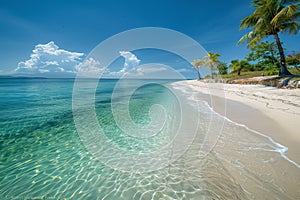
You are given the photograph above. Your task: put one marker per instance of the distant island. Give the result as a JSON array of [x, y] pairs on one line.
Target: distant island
[[22, 77]]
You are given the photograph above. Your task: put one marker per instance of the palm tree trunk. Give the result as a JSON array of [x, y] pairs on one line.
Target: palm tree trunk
[[283, 69], [211, 69], [199, 77]]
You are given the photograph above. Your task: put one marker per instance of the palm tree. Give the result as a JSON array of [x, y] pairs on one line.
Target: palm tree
[[197, 66], [235, 66], [211, 60], [269, 19], [238, 66]]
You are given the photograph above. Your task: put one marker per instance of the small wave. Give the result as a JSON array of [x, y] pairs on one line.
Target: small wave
[[278, 147]]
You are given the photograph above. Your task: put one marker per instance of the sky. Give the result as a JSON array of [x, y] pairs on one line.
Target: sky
[[54, 37]]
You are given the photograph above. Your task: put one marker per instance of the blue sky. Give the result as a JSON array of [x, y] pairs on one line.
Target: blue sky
[[78, 26]]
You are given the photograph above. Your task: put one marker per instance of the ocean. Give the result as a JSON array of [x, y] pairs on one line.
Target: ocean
[[130, 139]]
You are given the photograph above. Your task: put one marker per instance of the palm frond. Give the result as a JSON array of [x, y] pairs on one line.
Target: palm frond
[[285, 13], [289, 1], [295, 16], [257, 3], [247, 37], [291, 27], [211, 59], [249, 22], [254, 41], [197, 63]]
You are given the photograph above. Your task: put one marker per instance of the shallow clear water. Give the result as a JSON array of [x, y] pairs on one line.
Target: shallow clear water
[[42, 155]]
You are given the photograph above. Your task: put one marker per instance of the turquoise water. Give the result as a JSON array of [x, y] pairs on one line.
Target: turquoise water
[[43, 156]]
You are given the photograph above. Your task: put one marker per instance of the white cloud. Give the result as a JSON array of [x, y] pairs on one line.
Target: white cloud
[[141, 71], [89, 66], [51, 63], [49, 57], [43, 70], [61, 69], [131, 61], [149, 71], [183, 70], [118, 73]]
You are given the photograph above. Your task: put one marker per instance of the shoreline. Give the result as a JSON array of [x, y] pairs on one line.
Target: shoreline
[[270, 111]]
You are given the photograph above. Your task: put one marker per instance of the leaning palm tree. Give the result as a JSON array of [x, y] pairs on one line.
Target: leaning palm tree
[[211, 60], [197, 66], [269, 19]]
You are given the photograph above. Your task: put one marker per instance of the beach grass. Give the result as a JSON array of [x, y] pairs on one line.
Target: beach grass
[[250, 74]]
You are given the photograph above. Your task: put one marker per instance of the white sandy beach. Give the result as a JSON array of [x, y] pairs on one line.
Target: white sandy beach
[[271, 111]]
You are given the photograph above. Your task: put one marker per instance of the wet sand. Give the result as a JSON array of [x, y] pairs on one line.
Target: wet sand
[[271, 111], [261, 171]]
